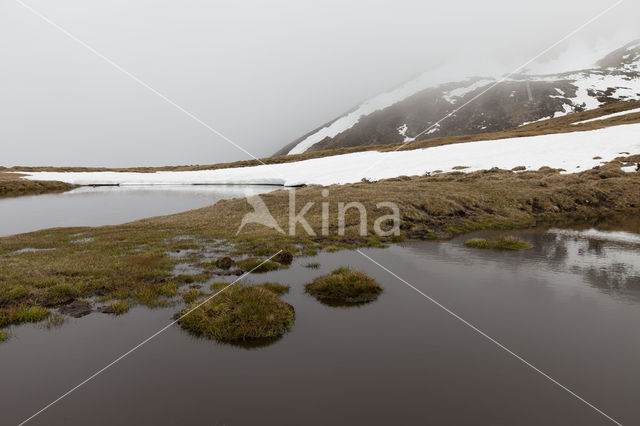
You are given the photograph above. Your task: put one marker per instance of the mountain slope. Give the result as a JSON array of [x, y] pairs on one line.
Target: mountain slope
[[412, 110]]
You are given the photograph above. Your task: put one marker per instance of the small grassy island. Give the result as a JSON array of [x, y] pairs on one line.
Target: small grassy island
[[241, 314], [344, 286], [500, 243]]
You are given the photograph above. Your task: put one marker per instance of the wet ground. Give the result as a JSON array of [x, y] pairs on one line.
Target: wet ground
[[570, 306]]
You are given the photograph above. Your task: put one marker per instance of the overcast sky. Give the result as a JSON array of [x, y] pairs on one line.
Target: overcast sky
[[261, 72]]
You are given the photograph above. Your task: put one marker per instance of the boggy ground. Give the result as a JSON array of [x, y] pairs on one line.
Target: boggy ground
[[136, 262]]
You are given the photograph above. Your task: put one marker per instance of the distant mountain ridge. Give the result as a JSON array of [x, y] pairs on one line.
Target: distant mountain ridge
[[401, 114]]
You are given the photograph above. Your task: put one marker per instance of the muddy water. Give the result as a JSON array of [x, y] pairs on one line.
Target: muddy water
[[111, 205], [570, 306]]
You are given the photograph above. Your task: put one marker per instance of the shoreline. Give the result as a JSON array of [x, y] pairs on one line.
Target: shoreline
[[136, 262]]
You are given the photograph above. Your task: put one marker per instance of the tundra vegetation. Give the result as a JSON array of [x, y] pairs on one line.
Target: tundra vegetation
[[240, 314], [344, 286], [136, 262], [501, 243]]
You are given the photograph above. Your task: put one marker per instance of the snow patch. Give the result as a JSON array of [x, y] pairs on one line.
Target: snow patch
[[453, 95], [403, 132], [570, 151], [382, 101], [605, 117]]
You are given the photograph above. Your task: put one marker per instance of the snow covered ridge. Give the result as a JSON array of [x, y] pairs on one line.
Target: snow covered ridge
[[573, 152], [606, 117], [401, 114]]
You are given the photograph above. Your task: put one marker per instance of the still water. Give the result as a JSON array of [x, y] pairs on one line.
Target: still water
[[111, 205], [570, 306]]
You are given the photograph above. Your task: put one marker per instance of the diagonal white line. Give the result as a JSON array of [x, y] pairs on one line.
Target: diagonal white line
[[138, 346], [506, 77], [134, 78], [538, 56], [495, 342]]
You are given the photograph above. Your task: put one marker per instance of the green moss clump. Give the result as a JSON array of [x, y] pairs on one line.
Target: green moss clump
[[22, 313], [61, 293], [218, 285], [119, 307], [312, 265], [240, 314], [502, 243], [3, 336], [344, 286], [277, 288], [191, 295], [257, 266]]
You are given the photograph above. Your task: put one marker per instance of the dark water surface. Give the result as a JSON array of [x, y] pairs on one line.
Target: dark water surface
[[111, 205], [570, 306]]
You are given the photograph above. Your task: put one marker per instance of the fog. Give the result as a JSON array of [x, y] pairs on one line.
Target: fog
[[262, 73]]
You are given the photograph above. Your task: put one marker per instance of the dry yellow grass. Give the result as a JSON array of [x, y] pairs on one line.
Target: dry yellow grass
[[11, 185]]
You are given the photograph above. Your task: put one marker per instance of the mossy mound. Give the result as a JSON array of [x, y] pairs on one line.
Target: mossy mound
[[344, 286], [501, 243], [224, 262], [285, 257], [240, 314], [277, 288], [256, 266], [3, 336]]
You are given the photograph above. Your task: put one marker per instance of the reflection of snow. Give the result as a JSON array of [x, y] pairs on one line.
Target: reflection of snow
[[594, 234]]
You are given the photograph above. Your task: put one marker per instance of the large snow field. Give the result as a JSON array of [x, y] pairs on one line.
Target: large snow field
[[573, 152]]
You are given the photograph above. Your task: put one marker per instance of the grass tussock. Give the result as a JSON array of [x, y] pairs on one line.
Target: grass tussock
[[312, 265], [22, 313], [344, 286], [257, 266], [277, 288], [119, 307], [3, 336], [501, 243], [191, 295], [240, 314]]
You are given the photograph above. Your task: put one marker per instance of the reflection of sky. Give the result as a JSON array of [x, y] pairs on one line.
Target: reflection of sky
[[609, 261], [98, 206]]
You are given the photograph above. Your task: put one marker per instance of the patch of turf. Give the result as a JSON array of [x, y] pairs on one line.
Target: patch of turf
[[3, 336], [119, 307], [312, 265], [344, 286], [277, 288], [191, 295], [501, 243], [22, 313], [257, 266], [240, 314]]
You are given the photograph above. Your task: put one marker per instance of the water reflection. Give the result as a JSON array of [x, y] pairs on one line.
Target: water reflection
[[606, 260], [111, 205]]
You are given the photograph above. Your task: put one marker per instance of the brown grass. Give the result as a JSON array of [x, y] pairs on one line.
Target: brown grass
[[131, 262], [12, 185]]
